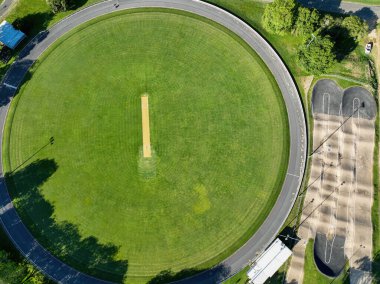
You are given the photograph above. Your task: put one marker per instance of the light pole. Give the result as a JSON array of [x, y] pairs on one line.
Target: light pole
[[320, 204], [312, 39], [328, 137]]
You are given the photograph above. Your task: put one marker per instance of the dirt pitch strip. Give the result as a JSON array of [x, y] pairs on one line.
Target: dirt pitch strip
[[337, 206], [147, 151]]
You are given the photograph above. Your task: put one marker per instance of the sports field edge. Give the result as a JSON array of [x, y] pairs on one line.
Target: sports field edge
[[286, 143]]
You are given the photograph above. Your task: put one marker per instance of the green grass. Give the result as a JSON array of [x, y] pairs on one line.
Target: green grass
[[365, 2], [239, 278], [313, 275], [218, 127], [376, 203]]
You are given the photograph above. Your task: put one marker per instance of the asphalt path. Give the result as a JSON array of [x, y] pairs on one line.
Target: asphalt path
[[61, 272], [4, 6], [369, 13]]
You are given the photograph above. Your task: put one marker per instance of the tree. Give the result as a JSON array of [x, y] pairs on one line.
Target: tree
[[327, 21], [316, 54], [58, 5], [279, 16], [355, 26], [10, 271], [307, 21]]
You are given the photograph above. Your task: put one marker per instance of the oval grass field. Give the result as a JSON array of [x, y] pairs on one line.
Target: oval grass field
[[73, 148]]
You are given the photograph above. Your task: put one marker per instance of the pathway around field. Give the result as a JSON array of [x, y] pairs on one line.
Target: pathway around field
[[61, 272], [4, 7], [370, 13]]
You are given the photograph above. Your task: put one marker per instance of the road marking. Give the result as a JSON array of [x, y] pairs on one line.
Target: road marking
[[10, 86], [293, 175], [6, 208]]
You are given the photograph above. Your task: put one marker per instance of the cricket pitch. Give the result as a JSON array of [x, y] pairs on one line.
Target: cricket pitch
[[147, 152]]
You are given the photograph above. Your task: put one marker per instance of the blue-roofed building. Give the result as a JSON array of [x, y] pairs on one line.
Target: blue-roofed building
[[9, 36]]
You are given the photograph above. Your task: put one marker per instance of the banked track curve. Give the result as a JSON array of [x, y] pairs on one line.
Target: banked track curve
[[62, 273]]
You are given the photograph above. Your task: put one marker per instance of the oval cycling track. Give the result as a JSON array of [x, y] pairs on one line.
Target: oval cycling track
[[62, 273]]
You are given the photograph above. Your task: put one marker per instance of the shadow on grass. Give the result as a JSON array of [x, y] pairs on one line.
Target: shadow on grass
[[376, 268], [344, 43], [62, 239], [192, 275], [32, 24], [75, 4], [278, 278]]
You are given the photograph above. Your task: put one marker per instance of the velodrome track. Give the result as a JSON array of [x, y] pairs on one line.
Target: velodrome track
[[61, 272]]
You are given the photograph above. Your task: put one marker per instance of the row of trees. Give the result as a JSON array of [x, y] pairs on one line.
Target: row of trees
[[14, 272], [326, 39]]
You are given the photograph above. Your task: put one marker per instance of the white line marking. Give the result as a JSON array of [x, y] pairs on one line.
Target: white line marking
[[10, 86], [293, 175]]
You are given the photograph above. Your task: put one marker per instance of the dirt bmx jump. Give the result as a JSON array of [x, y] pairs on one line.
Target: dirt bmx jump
[[341, 188]]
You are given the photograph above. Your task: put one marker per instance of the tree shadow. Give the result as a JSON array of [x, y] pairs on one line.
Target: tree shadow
[[332, 6], [61, 239], [365, 264], [192, 275], [277, 278], [344, 43], [168, 276], [32, 24], [75, 4], [18, 73], [368, 15], [376, 268]]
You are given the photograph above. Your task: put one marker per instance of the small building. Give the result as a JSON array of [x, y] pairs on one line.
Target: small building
[[269, 262], [9, 36]]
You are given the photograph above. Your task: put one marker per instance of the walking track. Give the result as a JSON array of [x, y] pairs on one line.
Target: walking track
[[61, 272]]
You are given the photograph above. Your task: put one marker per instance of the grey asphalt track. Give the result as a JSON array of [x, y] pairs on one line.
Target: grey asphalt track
[[4, 6], [62, 273], [369, 13]]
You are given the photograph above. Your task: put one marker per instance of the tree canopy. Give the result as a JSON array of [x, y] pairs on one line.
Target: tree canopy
[[16, 272], [308, 21], [10, 272], [356, 27], [279, 16], [58, 5], [316, 54]]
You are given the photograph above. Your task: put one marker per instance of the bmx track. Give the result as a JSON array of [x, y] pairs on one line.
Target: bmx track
[[61, 272]]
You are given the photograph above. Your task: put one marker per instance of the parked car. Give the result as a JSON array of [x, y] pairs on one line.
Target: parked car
[[368, 48]]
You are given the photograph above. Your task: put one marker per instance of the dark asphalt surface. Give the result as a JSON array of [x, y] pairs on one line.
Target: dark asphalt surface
[[329, 254], [298, 134], [329, 98]]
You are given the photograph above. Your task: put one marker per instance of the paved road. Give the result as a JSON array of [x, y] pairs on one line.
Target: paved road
[[4, 6], [369, 13], [269, 229]]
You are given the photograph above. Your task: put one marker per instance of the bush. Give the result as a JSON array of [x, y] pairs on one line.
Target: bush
[[316, 54], [279, 16]]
